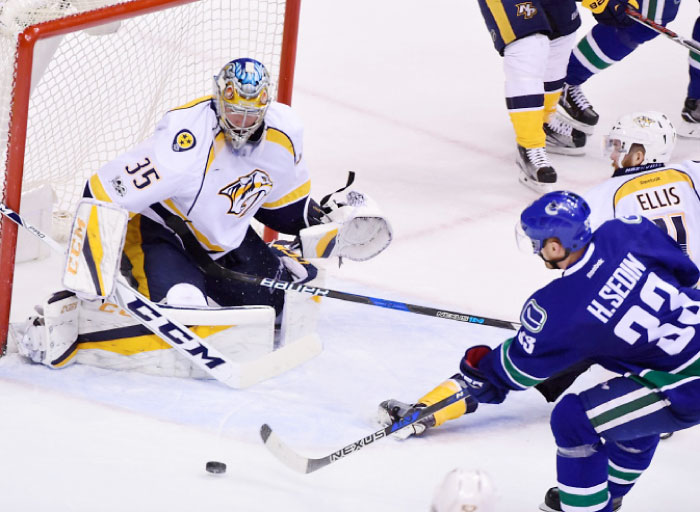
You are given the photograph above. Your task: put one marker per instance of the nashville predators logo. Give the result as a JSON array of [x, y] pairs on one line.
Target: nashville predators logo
[[247, 191], [183, 141], [526, 10], [644, 121]]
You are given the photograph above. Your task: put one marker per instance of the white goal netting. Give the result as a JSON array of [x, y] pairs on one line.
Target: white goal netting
[[97, 92]]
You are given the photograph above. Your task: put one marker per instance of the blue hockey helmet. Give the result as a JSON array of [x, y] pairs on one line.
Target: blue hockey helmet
[[563, 215], [241, 97]]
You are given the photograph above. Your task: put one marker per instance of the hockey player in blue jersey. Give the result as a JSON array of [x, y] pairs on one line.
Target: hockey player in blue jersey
[[626, 300], [690, 114], [613, 38]]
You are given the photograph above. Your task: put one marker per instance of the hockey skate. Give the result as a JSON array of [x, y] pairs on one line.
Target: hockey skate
[[563, 138], [553, 504], [690, 119], [536, 171], [577, 109], [390, 411]]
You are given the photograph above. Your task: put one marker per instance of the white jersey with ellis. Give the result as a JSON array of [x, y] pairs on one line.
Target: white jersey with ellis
[[187, 168], [665, 194]]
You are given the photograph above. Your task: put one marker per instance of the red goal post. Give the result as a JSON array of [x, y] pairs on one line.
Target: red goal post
[[84, 80]]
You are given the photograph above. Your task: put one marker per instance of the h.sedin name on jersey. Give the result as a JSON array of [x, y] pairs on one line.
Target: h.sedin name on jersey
[[616, 288]]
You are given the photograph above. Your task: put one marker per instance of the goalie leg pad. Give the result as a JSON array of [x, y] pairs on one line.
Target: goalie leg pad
[[101, 334], [110, 338]]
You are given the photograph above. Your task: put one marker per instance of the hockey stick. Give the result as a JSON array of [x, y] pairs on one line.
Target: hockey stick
[[639, 18], [210, 267], [153, 318], [302, 464]]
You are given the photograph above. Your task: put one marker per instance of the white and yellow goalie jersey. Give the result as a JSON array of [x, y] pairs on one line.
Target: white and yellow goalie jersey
[[186, 168], [665, 194]]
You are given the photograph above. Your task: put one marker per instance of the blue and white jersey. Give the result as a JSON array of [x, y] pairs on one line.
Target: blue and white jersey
[[628, 304]]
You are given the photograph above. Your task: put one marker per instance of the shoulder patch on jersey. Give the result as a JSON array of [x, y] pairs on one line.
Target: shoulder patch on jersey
[[118, 186], [183, 141], [533, 316], [246, 191]]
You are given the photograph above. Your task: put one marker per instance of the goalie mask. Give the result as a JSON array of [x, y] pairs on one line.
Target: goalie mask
[[652, 130], [241, 98]]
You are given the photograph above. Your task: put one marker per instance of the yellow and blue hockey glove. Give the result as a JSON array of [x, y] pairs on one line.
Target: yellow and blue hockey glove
[[611, 12]]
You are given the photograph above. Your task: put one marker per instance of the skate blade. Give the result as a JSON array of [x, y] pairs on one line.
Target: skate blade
[[585, 128], [540, 188], [688, 130], [558, 150]]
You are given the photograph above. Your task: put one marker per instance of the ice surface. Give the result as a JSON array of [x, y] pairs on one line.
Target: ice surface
[[409, 95]]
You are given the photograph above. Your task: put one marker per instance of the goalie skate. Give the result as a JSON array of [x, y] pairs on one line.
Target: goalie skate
[[552, 502], [536, 171], [577, 109]]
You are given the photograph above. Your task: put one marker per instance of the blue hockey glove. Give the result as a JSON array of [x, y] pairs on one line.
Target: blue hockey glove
[[479, 385]]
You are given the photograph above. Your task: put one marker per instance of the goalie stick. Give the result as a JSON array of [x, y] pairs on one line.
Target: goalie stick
[[153, 318], [640, 18], [210, 267], [302, 464]]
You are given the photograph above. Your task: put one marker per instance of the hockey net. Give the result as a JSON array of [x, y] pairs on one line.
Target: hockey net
[[82, 81]]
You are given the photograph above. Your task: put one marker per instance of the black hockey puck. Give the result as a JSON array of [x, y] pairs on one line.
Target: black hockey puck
[[216, 467]]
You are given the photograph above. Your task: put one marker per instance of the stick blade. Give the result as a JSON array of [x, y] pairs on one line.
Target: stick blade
[[282, 452]]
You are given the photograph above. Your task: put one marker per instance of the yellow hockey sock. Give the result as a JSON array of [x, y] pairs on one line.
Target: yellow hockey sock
[[452, 411], [550, 104], [528, 128]]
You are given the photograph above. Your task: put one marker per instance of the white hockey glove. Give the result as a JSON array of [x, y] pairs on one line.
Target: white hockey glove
[[355, 229]]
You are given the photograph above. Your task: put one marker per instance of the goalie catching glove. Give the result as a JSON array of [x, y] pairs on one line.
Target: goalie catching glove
[[353, 227], [390, 411]]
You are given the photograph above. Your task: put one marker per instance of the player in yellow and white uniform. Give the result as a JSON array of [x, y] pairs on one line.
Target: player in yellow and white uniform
[[215, 164], [642, 184]]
